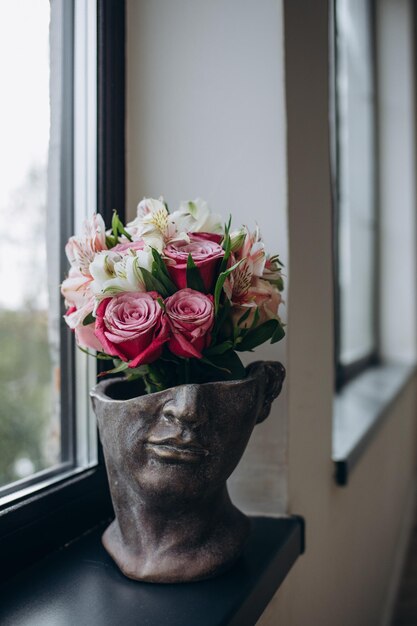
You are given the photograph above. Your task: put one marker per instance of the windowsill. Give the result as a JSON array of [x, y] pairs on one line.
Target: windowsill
[[359, 410], [81, 585]]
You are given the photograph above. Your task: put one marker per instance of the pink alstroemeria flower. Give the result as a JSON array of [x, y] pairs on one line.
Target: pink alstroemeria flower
[[253, 251], [81, 250]]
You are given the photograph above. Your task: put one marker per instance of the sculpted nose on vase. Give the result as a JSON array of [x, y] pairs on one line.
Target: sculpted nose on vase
[[184, 408], [179, 418]]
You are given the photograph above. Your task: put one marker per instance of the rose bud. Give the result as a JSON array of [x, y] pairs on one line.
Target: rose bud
[[132, 327], [190, 316], [206, 255]]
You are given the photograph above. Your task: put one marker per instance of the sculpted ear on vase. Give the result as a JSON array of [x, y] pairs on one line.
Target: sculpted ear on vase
[[270, 376], [93, 402]]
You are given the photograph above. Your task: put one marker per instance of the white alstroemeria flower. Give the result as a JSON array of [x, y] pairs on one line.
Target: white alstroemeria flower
[[102, 268], [116, 271], [150, 206], [127, 277], [196, 217], [154, 225]]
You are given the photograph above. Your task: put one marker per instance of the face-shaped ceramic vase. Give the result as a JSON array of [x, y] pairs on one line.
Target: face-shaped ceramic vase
[[168, 456]]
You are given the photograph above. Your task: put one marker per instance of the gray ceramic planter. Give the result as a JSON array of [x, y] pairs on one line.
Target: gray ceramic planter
[[168, 456]]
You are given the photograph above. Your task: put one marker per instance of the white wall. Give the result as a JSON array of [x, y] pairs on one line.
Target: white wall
[[353, 533], [205, 117]]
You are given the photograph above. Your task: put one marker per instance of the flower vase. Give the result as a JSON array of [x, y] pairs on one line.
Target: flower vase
[[168, 455]]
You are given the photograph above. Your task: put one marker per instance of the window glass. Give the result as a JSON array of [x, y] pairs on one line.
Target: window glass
[[48, 131], [355, 117], [29, 366]]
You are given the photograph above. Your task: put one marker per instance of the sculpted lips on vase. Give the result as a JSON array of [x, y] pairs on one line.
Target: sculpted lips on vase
[[176, 449]]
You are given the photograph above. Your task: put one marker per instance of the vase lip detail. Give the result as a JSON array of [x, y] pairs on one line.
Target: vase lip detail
[[99, 391]]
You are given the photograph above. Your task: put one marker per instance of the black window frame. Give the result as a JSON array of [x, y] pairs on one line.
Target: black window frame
[[346, 373], [53, 516]]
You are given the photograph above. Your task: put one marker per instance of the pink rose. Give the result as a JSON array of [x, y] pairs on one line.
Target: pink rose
[[208, 236], [206, 255], [191, 317], [133, 327]]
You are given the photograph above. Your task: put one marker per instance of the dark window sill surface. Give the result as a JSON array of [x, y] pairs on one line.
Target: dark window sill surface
[[81, 585], [359, 410]]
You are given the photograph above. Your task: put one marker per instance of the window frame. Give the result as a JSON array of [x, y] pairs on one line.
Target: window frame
[[37, 522], [346, 373]]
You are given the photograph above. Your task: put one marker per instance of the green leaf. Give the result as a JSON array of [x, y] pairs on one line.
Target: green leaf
[[244, 316], [157, 259], [279, 333], [152, 283], [154, 378], [228, 225], [116, 370], [118, 227], [258, 335], [229, 363], [160, 271], [111, 241], [170, 287], [220, 282], [137, 372], [221, 348], [220, 319], [194, 280], [161, 303], [227, 245], [124, 232], [217, 367], [99, 355], [90, 319], [114, 224], [255, 319], [236, 333]]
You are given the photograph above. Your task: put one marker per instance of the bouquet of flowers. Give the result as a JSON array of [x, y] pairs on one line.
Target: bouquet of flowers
[[172, 298]]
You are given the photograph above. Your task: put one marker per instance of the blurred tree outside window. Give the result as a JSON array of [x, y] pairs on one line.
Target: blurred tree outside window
[[30, 416]]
